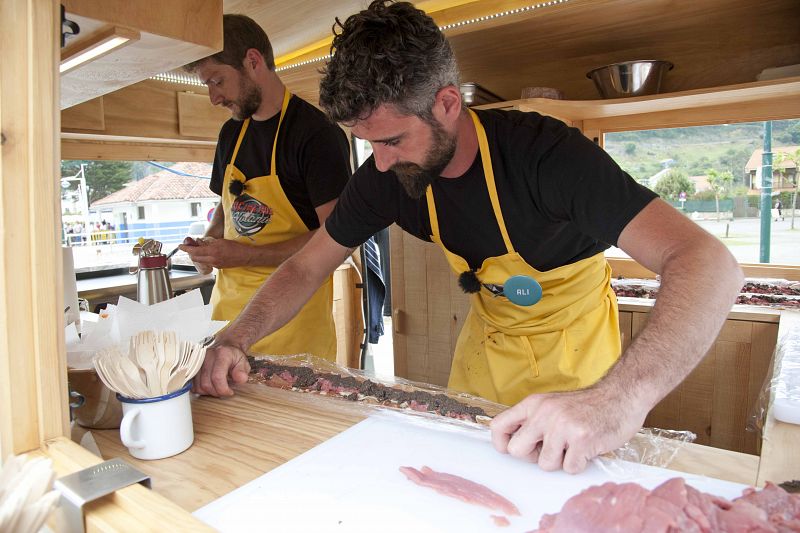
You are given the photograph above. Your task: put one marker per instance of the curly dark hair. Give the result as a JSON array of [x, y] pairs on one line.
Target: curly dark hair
[[390, 53], [240, 33]]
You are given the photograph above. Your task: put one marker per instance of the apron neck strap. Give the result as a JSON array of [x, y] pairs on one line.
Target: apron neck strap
[[286, 97], [239, 140], [488, 173]]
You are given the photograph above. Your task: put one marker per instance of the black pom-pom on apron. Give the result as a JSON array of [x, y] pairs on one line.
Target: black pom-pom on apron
[[236, 188], [469, 282]]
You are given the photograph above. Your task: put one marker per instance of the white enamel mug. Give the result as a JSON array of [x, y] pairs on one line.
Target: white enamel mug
[[155, 428]]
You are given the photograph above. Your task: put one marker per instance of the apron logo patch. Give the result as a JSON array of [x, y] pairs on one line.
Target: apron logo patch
[[249, 215]]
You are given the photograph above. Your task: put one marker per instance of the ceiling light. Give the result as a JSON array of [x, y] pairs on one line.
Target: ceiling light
[[95, 46]]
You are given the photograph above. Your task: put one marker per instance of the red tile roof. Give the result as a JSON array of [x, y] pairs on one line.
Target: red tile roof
[[755, 159], [165, 185]]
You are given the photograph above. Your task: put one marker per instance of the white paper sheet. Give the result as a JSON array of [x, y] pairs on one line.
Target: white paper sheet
[[352, 483]]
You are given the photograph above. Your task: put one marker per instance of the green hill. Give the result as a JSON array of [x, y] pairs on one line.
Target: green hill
[[694, 150]]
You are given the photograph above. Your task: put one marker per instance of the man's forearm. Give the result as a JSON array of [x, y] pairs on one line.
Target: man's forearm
[[216, 228], [698, 287]]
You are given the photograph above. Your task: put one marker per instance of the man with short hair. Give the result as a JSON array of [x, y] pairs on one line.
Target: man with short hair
[[523, 208], [279, 167]]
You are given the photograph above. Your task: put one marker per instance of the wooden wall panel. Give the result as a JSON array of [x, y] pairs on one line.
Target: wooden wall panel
[[716, 400], [197, 117], [88, 116], [440, 339], [397, 265], [429, 309], [695, 411], [347, 315], [731, 377], [625, 331], [148, 109]]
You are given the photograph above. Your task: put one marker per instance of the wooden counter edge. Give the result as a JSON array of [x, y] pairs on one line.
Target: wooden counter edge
[[133, 508], [708, 461], [751, 313]]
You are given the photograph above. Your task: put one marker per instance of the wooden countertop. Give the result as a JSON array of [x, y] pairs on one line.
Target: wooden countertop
[[90, 288], [237, 439]]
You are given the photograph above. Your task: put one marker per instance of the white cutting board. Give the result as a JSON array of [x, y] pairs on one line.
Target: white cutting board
[[351, 483]]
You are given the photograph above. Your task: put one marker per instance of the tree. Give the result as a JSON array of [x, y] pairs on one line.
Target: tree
[[630, 148], [102, 177], [673, 184], [794, 131], [734, 161], [720, 183]]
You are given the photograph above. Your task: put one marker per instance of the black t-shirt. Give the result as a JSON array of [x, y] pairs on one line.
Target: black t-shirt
[[312, 160], [562, 197]]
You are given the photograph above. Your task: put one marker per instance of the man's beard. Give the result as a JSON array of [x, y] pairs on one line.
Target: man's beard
[[249, 99], [416, 178]]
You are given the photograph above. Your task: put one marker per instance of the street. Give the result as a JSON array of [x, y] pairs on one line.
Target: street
[[742, 236]]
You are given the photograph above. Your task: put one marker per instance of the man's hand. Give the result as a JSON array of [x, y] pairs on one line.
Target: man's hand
[[568, 429], [209, 252], [223, 362]]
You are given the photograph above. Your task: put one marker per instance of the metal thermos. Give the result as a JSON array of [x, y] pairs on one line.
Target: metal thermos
[[152, 285]]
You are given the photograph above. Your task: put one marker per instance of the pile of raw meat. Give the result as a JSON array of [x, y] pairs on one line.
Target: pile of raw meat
[[674, 506], [772, 293]]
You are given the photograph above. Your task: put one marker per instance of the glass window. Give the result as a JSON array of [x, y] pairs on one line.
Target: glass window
[[107, 206], [714, 175]]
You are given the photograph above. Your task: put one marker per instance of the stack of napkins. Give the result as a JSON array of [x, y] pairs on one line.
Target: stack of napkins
[[26, 498], [186, 315]]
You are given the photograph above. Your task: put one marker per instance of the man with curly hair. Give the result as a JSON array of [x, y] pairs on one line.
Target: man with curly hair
[[523, 208]]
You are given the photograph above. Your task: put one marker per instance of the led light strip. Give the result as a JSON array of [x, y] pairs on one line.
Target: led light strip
[[501, 14], [178, 77], [446, 27], [193, 80]]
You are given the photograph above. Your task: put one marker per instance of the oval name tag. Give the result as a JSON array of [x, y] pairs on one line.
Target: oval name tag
[[522, 290]]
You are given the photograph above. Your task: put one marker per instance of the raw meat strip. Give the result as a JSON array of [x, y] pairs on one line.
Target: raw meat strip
[[460, 488]]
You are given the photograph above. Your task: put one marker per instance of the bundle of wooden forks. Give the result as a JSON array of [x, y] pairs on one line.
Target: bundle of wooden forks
[[155, 364]]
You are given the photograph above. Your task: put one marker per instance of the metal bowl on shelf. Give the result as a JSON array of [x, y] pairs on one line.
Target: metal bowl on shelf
[[629, 78]]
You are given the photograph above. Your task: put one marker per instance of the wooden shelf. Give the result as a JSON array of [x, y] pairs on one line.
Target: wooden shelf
[[780, 92]]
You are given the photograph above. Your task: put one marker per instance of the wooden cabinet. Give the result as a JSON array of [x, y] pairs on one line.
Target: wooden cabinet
[[162, 40], [717, 399], [347, 315]]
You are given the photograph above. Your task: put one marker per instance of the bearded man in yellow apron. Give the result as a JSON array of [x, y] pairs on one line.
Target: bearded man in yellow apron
[[279, 168], [523, 208]]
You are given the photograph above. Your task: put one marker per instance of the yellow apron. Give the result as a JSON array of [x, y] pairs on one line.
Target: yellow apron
[[566, 341], [261, 215]]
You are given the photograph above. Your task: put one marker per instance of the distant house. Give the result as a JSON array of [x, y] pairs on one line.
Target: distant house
[[700, 183], [781, 181], [161, 205]]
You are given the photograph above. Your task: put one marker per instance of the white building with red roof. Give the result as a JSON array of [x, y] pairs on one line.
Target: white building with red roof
[[162, 205]]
